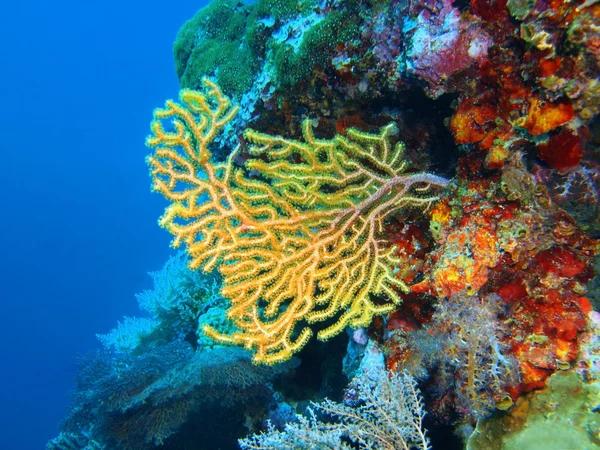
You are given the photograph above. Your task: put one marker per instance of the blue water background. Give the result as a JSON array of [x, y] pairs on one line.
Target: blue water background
[[78, 231]]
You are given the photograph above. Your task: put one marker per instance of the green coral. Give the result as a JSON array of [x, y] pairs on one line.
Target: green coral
[[213, 44], [280, 9], [273, 13], [317, 45], [229, 41]]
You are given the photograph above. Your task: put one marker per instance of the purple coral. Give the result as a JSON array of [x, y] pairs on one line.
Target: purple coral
[[442, 43], [384, 33]]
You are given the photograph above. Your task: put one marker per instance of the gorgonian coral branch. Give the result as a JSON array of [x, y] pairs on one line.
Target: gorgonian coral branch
[[294, 233]]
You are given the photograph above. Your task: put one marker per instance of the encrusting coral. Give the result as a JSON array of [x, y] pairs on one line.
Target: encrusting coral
[[295, 233]]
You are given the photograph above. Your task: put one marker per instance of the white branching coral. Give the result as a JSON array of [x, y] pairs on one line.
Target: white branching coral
[[386, 414]]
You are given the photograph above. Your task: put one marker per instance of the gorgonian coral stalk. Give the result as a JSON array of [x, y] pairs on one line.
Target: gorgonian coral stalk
[[295, 232]]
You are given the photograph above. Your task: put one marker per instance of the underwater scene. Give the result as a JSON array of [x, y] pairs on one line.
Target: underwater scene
[[385, 222]]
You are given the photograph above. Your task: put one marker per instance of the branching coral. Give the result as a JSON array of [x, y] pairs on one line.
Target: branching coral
[[295, 234], [180, 302], [388, 415], [154, 377], [464, 341]]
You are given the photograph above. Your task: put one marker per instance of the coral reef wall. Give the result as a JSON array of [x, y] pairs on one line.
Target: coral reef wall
[[413, 181]]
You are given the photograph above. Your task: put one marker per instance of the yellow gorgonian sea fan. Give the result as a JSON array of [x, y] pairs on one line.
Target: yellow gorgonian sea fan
[[294, 232]]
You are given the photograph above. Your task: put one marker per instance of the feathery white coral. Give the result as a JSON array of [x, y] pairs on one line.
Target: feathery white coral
[[388, 416]]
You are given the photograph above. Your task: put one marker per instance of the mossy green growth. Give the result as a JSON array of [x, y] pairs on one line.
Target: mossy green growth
[[212, 44], [317, 45], [228, 41], [561, 416], [280, 9]]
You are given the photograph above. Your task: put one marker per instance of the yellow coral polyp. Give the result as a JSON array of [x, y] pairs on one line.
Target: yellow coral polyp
[[297, 244]]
